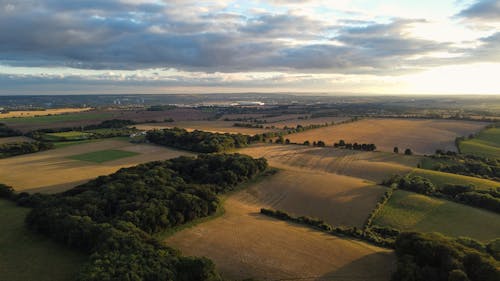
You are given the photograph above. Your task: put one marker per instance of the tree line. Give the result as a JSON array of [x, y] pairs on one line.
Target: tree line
[[6, 131], [19, 148], [114, 217], [199, 141], [355, 146], [460, 193]]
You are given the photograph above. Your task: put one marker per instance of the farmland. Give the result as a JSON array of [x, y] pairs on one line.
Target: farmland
[[339, 200], [102, 156], [485, 144], [440, 179], [421, 136], [36, 113], [29, 256], [54, 170], [209, 126], [415, 212], [14, 139], [244, 244], [371, 166]]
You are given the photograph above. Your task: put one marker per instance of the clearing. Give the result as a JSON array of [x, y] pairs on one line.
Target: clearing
[[53, 170], [410, 211], [245, 244], [422, 136], [486, 144], [25, 255]]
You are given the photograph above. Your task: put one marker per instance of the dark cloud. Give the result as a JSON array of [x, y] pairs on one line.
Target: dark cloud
[[483, 10], [115, 35]]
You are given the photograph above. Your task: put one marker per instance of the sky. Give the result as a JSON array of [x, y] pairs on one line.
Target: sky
[[223, 46]]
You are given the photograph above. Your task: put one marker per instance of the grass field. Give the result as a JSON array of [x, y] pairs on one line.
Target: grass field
[[26, 256], [372, 166], [441, 179], [56, 118], [245, 244], [486, 144], [415, 212], [71, 135], [103, 155], [422, 136], [53, 170]]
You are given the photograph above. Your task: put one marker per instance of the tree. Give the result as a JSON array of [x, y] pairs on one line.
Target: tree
[[396, 149], [307, 143], [408, 152]]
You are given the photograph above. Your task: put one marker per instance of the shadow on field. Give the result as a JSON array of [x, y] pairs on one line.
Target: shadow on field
[[374, 267]]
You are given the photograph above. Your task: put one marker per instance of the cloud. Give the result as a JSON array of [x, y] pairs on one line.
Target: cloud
[[212, 37], [482, 10]]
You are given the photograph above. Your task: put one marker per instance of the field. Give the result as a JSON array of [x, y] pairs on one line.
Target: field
[[53, 170], [371, 166], [415, 212], [71, 135], [15, 139], [54, 118], [441, 178], [33, 113], [102, 156], [244, 244], [26, 256], [486, 144], [337, 199], [421, 136], [93, 117], [209, 126]]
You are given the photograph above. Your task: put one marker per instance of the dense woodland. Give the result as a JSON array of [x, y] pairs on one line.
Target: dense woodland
[[5, 131], [113, 217], [199, 141], [433, 257], [467, 165], [465, 194], [19, 148]]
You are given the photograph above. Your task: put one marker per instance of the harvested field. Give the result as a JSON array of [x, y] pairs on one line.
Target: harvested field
[[307, 122], [421, 136], [33, 113], [415, 212], [245, 244], [52, 170], [336, 199], [15, 139], [372, 166], [209, 126], [27, 256]]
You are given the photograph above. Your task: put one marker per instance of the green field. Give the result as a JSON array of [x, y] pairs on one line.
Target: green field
[[26, 256], [71, 135], [57, 118], [409, 211], [103, 155], [486, 143], [441, 178]]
